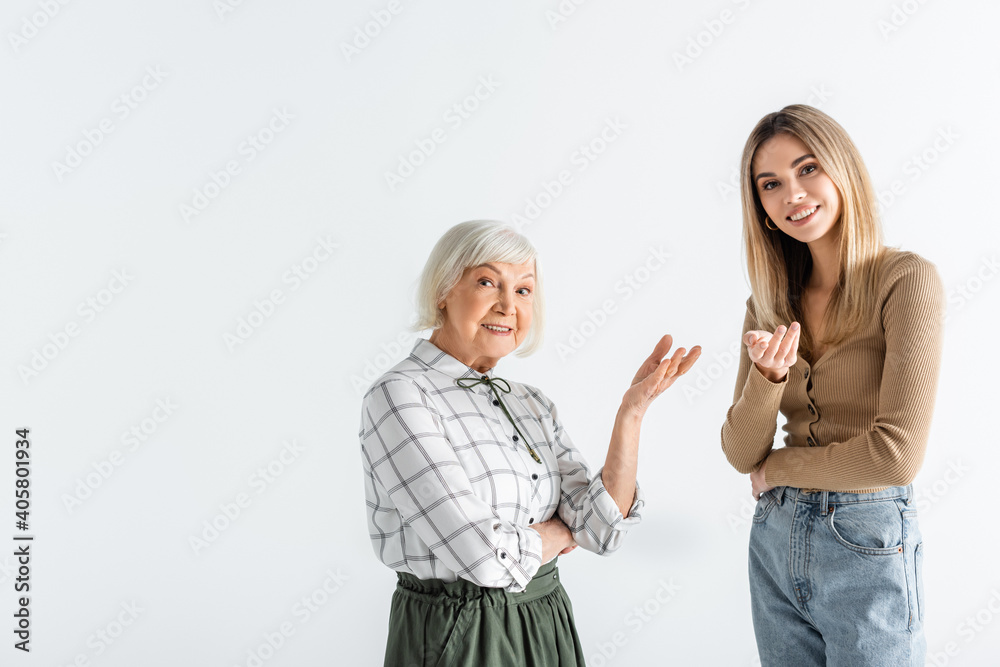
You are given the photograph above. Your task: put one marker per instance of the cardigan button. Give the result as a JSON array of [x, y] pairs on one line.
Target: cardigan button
[[811, 410], [806, 374], [812, 443]]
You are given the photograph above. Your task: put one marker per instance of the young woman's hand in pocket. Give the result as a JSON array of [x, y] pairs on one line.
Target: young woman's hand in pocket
[[758, 483]]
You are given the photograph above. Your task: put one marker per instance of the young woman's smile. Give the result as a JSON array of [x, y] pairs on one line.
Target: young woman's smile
[[797, 194]]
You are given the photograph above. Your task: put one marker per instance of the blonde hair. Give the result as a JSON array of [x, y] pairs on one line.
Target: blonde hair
[[779, 266], [470, 244]]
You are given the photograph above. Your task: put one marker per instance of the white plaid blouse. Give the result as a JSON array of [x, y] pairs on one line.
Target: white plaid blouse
[[452, 490]]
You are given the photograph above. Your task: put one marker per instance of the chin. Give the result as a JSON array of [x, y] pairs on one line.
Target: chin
[[817, 237]]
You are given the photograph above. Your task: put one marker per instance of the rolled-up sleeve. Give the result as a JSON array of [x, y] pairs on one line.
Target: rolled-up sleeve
[[404, 443], [585, 506]]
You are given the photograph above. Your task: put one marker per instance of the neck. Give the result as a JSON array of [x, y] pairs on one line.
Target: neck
[[825, 263], [478, 364]]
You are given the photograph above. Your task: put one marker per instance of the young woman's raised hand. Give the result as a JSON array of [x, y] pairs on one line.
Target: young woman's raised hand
[[773, 353], [657, 373]]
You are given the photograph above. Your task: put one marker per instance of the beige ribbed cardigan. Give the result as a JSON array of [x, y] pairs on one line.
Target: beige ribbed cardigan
[[858, 420]]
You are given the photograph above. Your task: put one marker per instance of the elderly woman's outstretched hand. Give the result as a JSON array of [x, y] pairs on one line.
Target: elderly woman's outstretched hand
[[657, 373]]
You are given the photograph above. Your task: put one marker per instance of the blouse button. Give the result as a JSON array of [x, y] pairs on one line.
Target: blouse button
[[531, 521], [486, 378], [534, 475], [496, 402], [503, 555], [811, 410], [515, 438]]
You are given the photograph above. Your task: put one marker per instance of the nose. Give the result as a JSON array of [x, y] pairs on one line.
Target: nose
[[505, 302], [795, 190]]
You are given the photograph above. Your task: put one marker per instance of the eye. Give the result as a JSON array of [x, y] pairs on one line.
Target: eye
[[768, 185], [809, 168], [525, 290], [485, 280]]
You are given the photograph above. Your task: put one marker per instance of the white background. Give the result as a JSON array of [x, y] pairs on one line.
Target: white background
[[898, 76]]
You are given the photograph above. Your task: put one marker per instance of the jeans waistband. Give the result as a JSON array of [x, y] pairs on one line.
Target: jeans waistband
[[464, 591], [827, 499]]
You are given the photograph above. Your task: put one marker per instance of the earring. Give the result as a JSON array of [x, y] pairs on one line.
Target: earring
[[768, 223]]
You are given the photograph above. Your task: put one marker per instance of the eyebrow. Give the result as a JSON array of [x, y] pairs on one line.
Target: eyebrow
[[496, 270], [794, 164]]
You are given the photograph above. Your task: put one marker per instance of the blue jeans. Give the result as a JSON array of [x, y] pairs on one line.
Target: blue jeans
[[835, 578]]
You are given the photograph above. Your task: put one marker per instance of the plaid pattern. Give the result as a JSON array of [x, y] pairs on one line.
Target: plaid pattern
[[451, 491]]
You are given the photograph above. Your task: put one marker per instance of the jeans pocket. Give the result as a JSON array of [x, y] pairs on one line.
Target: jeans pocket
[[872, 528], [764, 505]]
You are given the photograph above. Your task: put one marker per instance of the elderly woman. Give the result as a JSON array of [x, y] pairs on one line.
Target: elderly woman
[[473, 486]]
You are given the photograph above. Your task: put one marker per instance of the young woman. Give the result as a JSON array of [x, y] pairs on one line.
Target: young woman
[[473, 486], [843, 337]]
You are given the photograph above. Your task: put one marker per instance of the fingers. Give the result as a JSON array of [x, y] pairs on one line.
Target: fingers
[[756, 342], [659, 371], [758, 350], [668, 369], [789, 346], [652, 362], [689, 360], [771, 349], [785, 349], [774, 351], [662, 348], [751, 337], [675, 361], [678, 365]]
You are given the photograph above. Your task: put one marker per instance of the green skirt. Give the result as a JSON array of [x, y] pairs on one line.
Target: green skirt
[[460, 624]]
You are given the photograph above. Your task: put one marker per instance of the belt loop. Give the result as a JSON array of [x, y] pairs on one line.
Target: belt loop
[[823, 501], [778, 493]]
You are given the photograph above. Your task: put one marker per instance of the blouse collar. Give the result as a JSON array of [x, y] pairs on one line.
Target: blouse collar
[[434, 357]]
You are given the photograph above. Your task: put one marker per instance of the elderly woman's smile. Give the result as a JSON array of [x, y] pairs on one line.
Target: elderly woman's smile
[[499, 329], [487, 314]]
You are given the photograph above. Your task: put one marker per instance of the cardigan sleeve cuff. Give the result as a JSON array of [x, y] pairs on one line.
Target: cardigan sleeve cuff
[[758, 389]]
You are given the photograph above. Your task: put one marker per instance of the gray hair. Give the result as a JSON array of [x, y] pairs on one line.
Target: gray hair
[[469, 244]]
